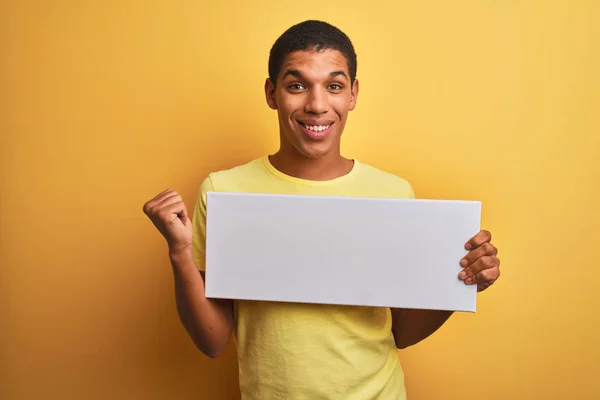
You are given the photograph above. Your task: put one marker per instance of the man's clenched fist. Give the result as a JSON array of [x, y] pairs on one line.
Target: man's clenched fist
[[169, 214]]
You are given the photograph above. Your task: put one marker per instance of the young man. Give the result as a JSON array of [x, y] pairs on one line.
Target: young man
[[304, 351]]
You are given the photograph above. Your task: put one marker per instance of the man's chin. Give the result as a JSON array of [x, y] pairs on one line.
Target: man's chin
[[315, 150]]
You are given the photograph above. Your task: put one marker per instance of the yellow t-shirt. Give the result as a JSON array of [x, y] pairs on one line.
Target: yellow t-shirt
[[309, 351]]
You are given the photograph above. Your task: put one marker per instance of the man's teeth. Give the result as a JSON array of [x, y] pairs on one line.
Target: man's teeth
[[317, 128]]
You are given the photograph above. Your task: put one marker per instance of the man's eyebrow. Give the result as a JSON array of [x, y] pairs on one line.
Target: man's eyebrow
[[298, 74], [293, 72], [338, 73]]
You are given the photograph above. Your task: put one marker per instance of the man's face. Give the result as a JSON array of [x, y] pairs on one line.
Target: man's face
[[313, 96]]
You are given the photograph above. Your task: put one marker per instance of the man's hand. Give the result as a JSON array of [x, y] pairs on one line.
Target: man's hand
[[481, 265], [169, 214]]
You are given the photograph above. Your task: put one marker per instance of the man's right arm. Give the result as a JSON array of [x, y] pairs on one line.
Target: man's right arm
[[209, 322]]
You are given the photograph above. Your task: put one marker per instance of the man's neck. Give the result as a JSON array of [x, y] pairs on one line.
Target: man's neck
[[326, 168]]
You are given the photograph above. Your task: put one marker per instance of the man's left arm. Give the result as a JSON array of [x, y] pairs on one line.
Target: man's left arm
[[481, 266]]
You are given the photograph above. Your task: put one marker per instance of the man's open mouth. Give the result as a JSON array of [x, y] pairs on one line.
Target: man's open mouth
[[316, 130]]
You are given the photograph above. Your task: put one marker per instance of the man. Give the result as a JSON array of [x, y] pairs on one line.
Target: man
[[304, 351]]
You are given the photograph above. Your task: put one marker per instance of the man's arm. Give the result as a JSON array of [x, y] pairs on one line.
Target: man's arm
[[412, 326], [481, 267], [209, 322]]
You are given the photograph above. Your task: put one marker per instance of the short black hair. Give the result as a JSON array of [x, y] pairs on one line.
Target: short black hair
[[311, 35]]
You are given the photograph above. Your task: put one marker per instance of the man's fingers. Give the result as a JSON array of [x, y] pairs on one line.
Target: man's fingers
[[486, 249], [180, 209], [482, 264], [172, 211], [485, 278], [479, 239], [165, 195], [161, 200], [183, 214], [168, 199], [151, 204]]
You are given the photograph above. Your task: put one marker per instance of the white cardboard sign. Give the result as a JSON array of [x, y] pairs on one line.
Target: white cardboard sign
[[400, 253]]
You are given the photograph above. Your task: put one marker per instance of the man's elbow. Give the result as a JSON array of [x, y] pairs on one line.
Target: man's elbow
[[402, 344], [213, 353], [214, 350], [403, 341]]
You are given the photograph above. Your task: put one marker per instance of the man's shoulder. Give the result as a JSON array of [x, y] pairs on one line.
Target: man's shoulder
[[378, 173], [222, 178], [385, 179], [250, 167]]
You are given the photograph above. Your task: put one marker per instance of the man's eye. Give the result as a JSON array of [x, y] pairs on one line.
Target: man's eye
[[296, 86], [335, 86]]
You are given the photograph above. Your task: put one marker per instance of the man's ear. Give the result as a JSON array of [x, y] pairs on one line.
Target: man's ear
[[270, 94], [354, 95]]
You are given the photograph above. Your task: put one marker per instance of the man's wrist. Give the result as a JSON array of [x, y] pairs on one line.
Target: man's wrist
[[181, 254], [184, 265]]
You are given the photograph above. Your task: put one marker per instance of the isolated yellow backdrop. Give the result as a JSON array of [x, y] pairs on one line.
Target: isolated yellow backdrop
[[104, 104]]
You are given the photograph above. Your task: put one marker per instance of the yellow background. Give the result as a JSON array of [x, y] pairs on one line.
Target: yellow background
[[104, 104]]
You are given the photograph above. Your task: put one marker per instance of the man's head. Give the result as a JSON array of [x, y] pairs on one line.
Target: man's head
[[312, 84], [311, 36]]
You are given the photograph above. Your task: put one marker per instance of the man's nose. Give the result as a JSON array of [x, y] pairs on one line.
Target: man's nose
[[316, 102]]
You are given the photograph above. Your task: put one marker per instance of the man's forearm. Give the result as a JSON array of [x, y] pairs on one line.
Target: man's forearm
[[209, 322], [412, 326]]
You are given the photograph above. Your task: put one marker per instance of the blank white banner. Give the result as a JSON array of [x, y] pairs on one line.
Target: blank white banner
[[400, 253]]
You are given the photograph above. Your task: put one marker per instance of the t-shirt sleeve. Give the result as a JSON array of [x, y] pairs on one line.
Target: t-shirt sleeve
[[411, 192], [199, 225]]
